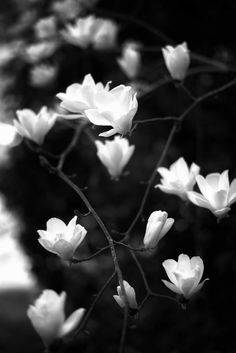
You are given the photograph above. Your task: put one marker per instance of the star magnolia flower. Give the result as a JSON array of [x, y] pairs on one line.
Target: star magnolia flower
[[131, 297], [179, 178], [48, 318], [62, 239], [114, 155], [34, 126], [80, 97], [216, 193], [130, 60], [185, 275], [157, 226], [177, 60], [115, 108]]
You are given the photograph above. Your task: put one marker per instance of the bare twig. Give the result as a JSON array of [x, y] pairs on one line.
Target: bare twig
[[98, 296], [71, 145], [76, 261], [173, 130]]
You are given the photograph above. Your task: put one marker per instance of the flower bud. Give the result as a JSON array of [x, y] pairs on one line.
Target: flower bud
[[114, 155], [130, 294], [130, 60], [157, 226], [177, 60]]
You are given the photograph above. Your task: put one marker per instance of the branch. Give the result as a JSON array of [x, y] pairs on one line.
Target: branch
[[98, 296], [76, 261], [71, 145], [173, 130], [168, 118]]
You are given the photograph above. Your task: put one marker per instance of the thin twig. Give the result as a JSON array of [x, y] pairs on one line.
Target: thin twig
[[71, 145], [124, 329], [168, 118], [173, 130], [76, 261], [98, 296]]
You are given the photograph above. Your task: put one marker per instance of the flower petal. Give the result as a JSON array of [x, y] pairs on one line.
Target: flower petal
[[71, 322]]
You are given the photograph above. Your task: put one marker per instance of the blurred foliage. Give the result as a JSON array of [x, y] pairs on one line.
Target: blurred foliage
[[206, 137]]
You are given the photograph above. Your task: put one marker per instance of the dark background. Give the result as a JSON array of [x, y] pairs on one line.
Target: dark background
[[206, 138]]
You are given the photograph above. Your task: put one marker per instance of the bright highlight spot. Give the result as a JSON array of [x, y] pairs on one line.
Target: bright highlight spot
[[14, 264], [8, 134]]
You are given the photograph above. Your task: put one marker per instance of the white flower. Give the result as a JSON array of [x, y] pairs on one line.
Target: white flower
[[216, 193], [42, 75], [185, 275], [114, 154], [179, 178], [39, 51], [48, 318], [80, 97], [130, 60], [130, 294], [105, 34], [46, 27], [157, 226], [115, 108], [67, 9], [34, 126], [98, 32], [62, 239], [177, 60]]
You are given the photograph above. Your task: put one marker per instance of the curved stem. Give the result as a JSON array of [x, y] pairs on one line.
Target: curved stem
[[71, 145], [168, 118], [124, 329], [173, 130], [76, 261], [98, 296]]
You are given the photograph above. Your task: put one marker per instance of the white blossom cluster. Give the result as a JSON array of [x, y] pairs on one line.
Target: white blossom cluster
[[99, 104]]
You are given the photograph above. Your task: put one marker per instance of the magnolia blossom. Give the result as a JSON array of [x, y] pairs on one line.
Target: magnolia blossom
[[46, 27], [130, 60], [130, 294], [177, 60], [67, 9], [34, 126], [80, 97], [179, 178], [40, 51], [62, 239], [48, 317], [98, 32], [185, 275], [216, 193], [114, 154], [42, 75], [106, 34], [157, 226], [115, 108]]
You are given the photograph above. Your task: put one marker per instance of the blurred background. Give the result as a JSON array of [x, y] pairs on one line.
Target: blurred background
[[37, 62]]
